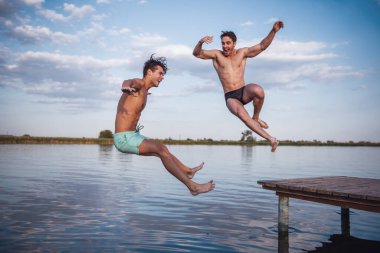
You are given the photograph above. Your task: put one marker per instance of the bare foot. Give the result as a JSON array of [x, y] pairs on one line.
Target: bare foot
[[274, 144], [192, 171], [263, 124], [203, 188]]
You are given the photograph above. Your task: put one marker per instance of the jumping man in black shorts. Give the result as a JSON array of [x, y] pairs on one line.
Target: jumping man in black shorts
[[230, 66]]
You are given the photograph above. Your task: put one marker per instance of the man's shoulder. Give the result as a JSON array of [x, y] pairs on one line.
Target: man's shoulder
[[217, 52], [241, 50], [138, 81], [134, 80]]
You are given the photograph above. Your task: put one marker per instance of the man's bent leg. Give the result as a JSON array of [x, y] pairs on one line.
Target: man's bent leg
[[190, 172], [238, 110], [255, 93], [154, 148]]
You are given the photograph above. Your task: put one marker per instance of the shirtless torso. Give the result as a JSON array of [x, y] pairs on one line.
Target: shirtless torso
[[132, 102], [230, 69]]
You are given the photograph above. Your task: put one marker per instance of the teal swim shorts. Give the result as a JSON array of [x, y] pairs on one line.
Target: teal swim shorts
[[128, 142]]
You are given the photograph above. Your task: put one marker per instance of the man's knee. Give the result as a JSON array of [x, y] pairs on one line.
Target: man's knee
[[259, 91], [255, 91], [162, 150], [153, 147]]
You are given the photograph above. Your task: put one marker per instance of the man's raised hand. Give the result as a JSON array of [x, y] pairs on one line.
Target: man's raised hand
[[278, 25], [206, 39]]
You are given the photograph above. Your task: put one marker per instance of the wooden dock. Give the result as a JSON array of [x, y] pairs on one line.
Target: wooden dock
[[346, 192]]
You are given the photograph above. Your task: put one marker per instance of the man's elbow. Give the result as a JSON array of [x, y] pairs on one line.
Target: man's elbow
[[263, 46]]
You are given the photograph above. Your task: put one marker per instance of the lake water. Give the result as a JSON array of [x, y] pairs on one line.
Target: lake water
[[90, 198]]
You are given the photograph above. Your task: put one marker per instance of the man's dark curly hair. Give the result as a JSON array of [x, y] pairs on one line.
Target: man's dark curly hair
[[153, 62], [230, 34]]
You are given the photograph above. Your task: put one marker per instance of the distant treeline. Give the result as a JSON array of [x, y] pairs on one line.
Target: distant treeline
[[264, 142], [26, 139]]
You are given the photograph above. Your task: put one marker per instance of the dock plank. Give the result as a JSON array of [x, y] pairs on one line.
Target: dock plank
[[341, 189]]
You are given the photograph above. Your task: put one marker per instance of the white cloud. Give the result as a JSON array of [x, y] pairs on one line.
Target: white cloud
[[293, 51], [338, 44], [31, 34], [52, 15], [74, 13], [294, 86], [33, 2], [98, 17], [206, 86], [103, 1], [117, 32], [296, 57], [93, 30], [175, 51], [147, 40], [325, 71], [291, 76], [8, 24], [295, 46], [78, 12], [63, 61], [271, 21], [247, 23], [61, 76]]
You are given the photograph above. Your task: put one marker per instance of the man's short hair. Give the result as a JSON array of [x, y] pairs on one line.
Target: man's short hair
[[230, 34], [152, 64]]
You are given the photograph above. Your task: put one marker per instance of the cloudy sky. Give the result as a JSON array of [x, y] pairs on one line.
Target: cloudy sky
[[62, 64]]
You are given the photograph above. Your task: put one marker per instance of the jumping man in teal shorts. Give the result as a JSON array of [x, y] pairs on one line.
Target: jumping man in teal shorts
[[127, 137]]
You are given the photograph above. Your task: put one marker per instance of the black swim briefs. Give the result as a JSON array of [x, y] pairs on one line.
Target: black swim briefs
[[236, 94]]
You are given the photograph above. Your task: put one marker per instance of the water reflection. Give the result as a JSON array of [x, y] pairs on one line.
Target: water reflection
[[105, 150], [347, 244], [247, 153], [336, 243], [283, 242]]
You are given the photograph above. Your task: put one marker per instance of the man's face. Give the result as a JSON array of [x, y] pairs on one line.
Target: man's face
[[228, 45], [157, 76]]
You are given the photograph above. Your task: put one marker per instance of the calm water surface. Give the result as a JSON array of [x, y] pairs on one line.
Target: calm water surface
[[90, 198]]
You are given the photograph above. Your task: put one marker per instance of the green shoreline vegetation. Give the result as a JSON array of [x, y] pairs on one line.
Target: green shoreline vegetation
[[27, 139]]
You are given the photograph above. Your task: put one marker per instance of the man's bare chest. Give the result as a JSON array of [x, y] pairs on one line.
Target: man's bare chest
[[233, 62]]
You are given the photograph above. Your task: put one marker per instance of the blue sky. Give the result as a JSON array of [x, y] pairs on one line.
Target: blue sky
[[62, 64]]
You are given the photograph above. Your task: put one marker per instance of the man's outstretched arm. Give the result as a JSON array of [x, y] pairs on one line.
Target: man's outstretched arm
[[204, 54], [131, 86], [264, 44]]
